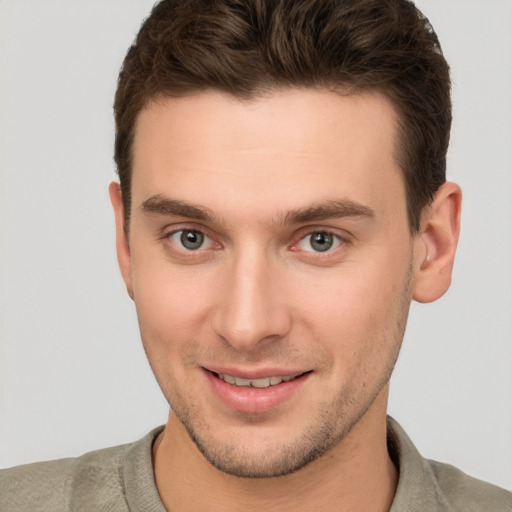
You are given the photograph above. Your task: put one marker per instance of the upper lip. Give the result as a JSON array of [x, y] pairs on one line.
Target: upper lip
[[255, 373]]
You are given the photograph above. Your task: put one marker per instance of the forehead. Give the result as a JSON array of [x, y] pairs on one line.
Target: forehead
[[290, 147]]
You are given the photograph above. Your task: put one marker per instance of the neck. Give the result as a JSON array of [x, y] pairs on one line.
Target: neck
[[357, 474]]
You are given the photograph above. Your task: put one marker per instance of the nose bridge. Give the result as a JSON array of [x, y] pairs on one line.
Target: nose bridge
[[250, 310]]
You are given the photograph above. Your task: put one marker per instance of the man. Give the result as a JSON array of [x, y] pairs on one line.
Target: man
[[282, 201]]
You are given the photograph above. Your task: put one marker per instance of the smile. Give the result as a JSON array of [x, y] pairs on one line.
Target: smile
[[255, 391], [255, 383]]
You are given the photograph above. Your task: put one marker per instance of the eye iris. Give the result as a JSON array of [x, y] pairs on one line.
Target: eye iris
[[321, 241], [192, 239]]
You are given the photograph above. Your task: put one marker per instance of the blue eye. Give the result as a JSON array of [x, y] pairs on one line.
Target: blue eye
[[319, 241], [190, 239]]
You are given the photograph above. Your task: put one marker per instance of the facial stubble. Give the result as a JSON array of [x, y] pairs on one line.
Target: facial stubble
[[331, 423]]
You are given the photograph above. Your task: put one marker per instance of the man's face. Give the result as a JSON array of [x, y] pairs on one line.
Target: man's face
[[269, 244]]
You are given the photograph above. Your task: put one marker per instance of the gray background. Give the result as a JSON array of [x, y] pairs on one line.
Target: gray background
[[73, 376]]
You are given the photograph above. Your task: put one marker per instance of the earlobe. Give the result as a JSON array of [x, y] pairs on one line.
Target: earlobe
[[436, 244], [122, 245]]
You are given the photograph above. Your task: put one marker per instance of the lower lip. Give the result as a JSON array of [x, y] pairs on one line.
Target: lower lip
[[254, 400]]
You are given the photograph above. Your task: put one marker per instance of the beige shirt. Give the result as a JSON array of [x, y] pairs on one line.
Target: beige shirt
[[121, 479]]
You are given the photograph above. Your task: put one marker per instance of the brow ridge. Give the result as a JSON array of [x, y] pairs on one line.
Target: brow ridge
[[335, 208], [161, 205]]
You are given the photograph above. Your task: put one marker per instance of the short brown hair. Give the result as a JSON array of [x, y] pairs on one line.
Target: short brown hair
[[250, 47]]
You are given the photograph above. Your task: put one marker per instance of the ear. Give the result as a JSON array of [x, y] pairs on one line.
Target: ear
[[436, 243], [122, 245]]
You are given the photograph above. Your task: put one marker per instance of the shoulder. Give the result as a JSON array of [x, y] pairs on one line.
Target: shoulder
[[426, 485], [464, 492], [57, 485]]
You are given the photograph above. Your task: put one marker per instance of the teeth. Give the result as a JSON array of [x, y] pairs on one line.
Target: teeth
[[260, 383], [229, 379], [255, 383], [242, 382]]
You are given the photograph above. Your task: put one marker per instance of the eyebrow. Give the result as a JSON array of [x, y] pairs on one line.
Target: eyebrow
[[165, 206], [330, 209]]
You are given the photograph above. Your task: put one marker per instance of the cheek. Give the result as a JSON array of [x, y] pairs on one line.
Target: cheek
[[356, 312], [342, 300], [172, 302], [171, 312]]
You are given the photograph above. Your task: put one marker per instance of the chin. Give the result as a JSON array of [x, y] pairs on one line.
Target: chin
[[273, 454]]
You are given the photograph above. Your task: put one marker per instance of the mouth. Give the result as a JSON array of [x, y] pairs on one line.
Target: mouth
[[255, 391], [260, 383]]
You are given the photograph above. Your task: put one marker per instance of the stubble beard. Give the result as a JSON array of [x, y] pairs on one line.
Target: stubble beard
[[330, 425], [275, 461]]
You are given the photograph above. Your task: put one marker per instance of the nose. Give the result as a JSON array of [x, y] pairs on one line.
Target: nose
[[251, 308]]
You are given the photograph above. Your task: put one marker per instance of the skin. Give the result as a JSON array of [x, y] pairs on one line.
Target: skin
[[259, 179]]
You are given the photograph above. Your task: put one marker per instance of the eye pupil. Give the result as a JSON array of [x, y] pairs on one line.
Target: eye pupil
[[321, 241], [192, 240]]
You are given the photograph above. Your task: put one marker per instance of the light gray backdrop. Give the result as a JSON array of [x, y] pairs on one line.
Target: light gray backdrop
[[73, 376]]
